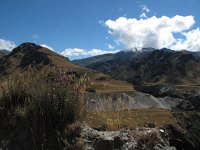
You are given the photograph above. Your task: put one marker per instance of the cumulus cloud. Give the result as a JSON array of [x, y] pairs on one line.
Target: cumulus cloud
[[191, 42], [82, 52], [145, 10], [46, 46], [95, 52], [7, 45], [73, 52], [154, 32]]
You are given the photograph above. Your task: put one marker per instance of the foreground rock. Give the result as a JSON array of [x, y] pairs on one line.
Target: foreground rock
[[84, 137], [140, 138]]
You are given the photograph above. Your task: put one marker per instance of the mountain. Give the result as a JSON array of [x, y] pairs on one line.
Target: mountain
[[114, 65], [4, 51], [150, 68], [122, 55], [1, 54], [30, 55], [166, 67]]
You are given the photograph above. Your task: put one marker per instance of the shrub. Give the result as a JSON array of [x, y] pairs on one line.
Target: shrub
[[43, 102], [90, 87]]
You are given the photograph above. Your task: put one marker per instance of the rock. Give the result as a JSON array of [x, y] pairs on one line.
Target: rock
[[140, 138]]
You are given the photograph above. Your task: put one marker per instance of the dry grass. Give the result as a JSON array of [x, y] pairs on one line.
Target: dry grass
[[104, 86], [148, 139], [61, 62], [44, 103], [129, 118], [113, 86]]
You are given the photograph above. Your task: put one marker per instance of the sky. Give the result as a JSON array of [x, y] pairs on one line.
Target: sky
[[84, 28]]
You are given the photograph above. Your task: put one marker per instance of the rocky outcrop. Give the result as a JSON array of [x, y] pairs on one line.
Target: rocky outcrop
[[138, 139]]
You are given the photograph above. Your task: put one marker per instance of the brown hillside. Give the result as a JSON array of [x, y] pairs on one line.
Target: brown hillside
[[30, 55]]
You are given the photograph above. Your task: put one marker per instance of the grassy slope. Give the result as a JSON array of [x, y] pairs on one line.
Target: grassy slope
[[131, 118], [43, 58]]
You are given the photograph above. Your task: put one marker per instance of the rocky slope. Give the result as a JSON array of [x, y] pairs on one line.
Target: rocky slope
[[85, 138], [138, 139]]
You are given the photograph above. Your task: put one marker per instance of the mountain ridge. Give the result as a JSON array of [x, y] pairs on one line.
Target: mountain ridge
[[30, 55], [151, 68]]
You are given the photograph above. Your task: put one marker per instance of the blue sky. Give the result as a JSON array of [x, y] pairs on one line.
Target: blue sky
[[81, 28]]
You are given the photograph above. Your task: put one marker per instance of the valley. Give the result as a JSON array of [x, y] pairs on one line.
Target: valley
[[145, 90]]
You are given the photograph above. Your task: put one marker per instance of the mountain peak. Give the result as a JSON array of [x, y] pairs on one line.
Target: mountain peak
[[25, 47], [27, 44]]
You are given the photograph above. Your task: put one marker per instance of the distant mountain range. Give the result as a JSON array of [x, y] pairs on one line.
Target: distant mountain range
[[113, 64], [149, 67], [30, 55]]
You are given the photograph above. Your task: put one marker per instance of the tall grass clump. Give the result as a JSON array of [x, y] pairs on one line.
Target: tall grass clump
[[44, 103]]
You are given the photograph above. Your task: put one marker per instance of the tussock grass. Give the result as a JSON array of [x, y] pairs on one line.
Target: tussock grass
[[129, 118], [45, 103]]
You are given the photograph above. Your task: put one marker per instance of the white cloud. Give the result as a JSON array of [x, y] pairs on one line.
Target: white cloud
[[69, 52], [110, 46], [8, 45], [95, 52], [73, 52], [46, 46], [145, 10], [150, 32], [143, 15], [191, 42]]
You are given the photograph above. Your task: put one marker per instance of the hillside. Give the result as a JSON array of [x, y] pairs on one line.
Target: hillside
[[6, 52], [152, 67], [1, 54], [114, 65], [30, 55], [166, 67], [31, 109]]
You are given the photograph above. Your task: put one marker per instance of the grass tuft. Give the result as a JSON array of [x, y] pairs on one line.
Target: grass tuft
[[44, 103]]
